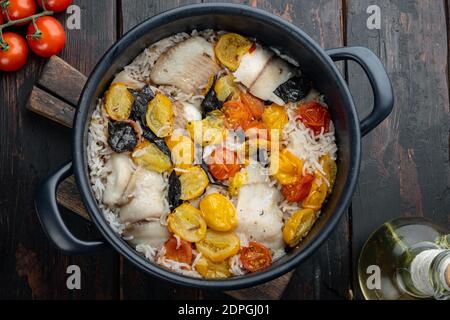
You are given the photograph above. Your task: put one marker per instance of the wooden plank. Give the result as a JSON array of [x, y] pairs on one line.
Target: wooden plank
[[405, 160], [31, 147], [272, 290], [63, 80], [326, 275], [136, 284], [50, 107], [69, 197]]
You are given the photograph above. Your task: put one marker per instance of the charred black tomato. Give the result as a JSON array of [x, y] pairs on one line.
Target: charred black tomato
[[121, 136], [174, 191], [141, 100], [161, 144], [211, 102], [294, 89]]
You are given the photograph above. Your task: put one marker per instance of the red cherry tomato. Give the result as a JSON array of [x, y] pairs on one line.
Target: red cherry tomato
[[55, 5], [19, 9], [181, 254], [314, 116], [255, 257], [298, 191], [14, 55], [223, 164], [50, 39], [1, 18], [253, 104], [236, 115]]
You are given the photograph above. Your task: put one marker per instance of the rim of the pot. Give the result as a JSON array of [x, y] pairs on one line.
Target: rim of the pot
[[79, 148]]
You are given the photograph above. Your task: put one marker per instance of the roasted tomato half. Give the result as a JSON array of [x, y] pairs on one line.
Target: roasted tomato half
[[314, 116], [255, 257], [178, 251]]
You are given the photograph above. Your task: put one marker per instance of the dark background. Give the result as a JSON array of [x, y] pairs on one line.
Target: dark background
[[405, 167]]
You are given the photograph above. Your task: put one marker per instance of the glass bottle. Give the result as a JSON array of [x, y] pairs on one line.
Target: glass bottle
[[405, 259]]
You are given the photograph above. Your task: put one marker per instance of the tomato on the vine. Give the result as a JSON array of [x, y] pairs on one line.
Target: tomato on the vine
[[314, 116], [19, 9], [49, 38], [55, 5], [223, 163], [299, 190], [178, 251], [13, 52], [1, 18], [255, 257]]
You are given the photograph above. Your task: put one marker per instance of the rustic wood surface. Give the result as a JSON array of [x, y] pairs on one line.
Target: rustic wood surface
[[405, 168]]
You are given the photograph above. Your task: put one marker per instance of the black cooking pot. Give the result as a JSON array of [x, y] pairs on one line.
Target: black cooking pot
[[315, 62]]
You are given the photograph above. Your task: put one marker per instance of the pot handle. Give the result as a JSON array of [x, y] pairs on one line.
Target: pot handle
[[48, 213], [379, 80]]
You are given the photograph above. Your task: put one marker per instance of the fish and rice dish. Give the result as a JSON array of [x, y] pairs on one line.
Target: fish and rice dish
[[211, 154]]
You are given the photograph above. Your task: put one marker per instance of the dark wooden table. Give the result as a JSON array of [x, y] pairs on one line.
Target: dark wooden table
[[405, 166]]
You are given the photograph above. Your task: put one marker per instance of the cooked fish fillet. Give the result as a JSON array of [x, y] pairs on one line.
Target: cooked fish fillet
[[148, 198], [259, 216], [125, 78], [262, 73], [185, 112], [122, 169], [150, 232], [251, 66], [187, 66], [276, 72]]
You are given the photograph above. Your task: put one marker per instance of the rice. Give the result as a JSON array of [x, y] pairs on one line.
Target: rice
[[306, 145], [179, 267], [236, 267], [98, 154]]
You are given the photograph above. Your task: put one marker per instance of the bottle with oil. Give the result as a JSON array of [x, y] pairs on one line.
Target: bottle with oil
[[406, 259]]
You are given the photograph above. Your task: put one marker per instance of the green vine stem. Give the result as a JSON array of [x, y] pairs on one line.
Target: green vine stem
[[30, 18]]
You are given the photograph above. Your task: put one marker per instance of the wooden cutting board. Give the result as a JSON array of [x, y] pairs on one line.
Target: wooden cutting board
[[55, 96]]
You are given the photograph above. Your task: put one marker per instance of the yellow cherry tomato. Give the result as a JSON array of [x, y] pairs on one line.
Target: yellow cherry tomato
[[286, 168], [160, 116], [213, 270], [187, 222], [236, 182], [182, 150], [218, 246], [193, 183], [317, 195], [226, 88], [118, 102], [209, 84], [149, 156], [218, 212], [210, 130], [298, 226], [230, 49], [330, 169], [275, 117]]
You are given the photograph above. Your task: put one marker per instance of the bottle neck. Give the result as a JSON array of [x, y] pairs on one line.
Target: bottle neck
[[430, 273], [440, 275]]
